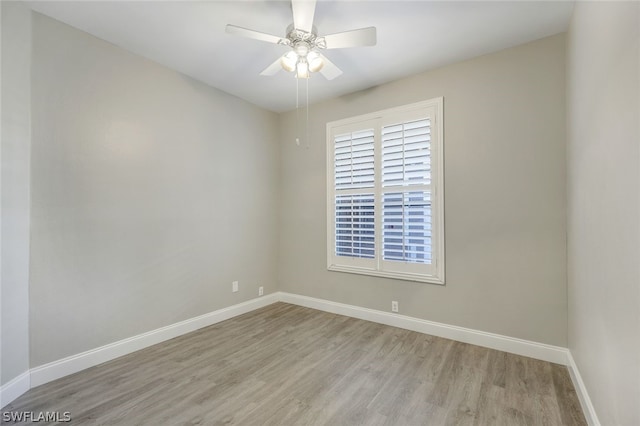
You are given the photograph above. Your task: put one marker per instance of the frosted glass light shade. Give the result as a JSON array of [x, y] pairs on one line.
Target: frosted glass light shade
[[302, 69], [315, 61], [289, 61]]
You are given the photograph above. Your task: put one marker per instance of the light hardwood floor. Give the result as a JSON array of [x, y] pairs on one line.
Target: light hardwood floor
[[288, 365]]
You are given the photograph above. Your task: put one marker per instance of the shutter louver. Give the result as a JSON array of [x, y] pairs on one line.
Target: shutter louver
[[355, 226], [354, 161], [406, 224], [406, 153]]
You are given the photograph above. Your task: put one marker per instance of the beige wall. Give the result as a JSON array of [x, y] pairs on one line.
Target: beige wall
[[14, 288], [603, 205], [151, 192], [504, 118]]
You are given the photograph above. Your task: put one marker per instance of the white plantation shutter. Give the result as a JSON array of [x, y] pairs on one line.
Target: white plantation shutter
[[406, 213], [354, 160], [406, 153], [355, 228], [385, 213], [406, 219], [354, 203]]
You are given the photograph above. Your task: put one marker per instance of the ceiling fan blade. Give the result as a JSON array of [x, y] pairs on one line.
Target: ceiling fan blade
[[273, 68], [303, 11], [329, 70], [244, 32], [353, 38]]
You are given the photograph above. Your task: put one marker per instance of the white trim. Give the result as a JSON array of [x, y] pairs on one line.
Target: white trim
[[433, 273], [74, 363], [587, 407], [406, 276], [513, 345], [14, 388]]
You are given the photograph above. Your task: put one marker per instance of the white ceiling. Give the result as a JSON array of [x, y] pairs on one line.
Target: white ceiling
[[413, 36]]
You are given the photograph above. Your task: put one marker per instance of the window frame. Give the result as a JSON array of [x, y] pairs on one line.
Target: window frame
[[433, 273]]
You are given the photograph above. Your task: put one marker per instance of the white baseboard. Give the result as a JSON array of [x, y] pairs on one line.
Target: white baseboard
[[587, 407], [14, 388], [527, 348], [522, 347], [72, 364], [75, 363]]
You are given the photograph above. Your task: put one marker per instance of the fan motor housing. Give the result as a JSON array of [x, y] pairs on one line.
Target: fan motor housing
[[296, 36]]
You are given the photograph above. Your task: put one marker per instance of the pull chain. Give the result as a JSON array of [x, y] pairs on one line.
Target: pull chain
[[306, 130], [297, 113], [307, 125]]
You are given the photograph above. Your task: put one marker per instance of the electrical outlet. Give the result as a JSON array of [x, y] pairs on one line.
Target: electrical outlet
[[234, 286], [260, 291], [394, 306]]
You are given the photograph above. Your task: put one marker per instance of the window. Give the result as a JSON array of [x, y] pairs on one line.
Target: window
[[384, 193]]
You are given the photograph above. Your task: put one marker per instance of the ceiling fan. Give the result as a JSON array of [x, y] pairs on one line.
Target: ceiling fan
[[305, 44]]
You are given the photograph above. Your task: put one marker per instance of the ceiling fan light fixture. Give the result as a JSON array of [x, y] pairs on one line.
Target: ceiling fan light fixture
[[289, 61], [315, 61], [302, 69], [305, 44]]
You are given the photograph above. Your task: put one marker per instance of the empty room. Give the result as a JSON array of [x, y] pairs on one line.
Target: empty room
[[331, 212]]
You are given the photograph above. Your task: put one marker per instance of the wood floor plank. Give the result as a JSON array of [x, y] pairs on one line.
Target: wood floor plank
[[289, 365], [568, 403]]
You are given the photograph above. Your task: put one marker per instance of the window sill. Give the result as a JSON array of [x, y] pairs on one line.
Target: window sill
[[385, 274]]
